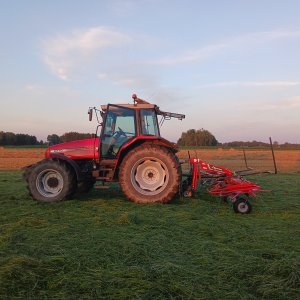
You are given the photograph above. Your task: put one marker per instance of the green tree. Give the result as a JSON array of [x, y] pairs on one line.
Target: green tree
[[2, 138], [10, 138], [199, 137], [73, 136], [53, 139]]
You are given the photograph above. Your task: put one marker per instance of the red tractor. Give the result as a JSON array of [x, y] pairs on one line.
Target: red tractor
[[129, 150]]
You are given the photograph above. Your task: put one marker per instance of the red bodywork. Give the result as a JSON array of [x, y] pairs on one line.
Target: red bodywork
[[81, 149], [89, 148]]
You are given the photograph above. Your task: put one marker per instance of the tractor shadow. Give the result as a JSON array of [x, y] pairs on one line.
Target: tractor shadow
[[111, 192]]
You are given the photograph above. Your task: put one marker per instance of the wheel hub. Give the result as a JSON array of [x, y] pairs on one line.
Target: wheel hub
[[52, 182], [49, 183], [243, 207], [149, 176]]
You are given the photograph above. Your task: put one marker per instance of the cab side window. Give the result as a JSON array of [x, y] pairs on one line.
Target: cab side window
[[119, 127], [149, 122]]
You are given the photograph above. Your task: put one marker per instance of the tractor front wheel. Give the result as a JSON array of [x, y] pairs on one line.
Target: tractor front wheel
[[150, 174], [50, 181]]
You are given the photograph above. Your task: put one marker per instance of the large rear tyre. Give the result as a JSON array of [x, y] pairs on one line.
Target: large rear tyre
[[50, 181], [150, 174]]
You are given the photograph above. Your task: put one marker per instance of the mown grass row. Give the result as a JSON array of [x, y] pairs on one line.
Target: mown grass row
[[101, 246]]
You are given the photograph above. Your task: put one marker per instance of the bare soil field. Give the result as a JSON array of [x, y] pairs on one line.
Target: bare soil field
[[17, 158], [287, 160]]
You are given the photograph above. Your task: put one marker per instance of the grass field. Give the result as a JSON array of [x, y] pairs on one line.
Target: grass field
[[101, 246]]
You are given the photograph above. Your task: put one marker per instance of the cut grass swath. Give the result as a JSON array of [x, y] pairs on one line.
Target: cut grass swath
[[101, 246]]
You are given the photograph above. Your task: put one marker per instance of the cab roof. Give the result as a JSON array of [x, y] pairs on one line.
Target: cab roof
[[143, 104], [132, 106]]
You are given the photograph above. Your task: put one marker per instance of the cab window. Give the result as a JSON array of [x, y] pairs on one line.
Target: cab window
[[119, 127], [149, 124]]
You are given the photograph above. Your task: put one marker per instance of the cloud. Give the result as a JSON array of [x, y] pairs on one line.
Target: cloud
[[192, 55], [130, 79], [284, 104], [252, 84], [40, 90], [273, 34], [246, 40], [64, 53]]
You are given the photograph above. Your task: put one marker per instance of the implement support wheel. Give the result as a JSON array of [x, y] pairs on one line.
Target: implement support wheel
[[242, 205]]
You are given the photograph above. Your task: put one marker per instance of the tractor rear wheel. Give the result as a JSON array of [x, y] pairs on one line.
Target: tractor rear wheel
[[50, 181], [150, 174]]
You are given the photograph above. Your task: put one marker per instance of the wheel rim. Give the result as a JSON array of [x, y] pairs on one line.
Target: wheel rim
[[49, 183], [243, 207], [149, 176], [187, 194]]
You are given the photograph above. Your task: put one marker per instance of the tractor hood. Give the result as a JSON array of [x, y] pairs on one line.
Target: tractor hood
[[81, 149]]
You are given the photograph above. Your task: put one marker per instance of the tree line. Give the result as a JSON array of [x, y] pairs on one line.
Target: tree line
[[193, 137], [21, 139], [202, 137], [13, 139], [257, 144], [54, 139]]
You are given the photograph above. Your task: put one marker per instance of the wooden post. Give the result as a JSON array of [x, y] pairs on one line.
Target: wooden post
[[245, 159], [274, 161]]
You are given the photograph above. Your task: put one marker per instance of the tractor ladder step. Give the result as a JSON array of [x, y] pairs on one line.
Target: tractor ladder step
[[102, 186], [103, 174]]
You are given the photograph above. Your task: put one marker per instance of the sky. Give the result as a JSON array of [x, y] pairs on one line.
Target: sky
[[232, 67]]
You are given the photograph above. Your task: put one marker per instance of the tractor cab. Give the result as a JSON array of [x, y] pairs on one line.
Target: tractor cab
[[126, 127], [119, 126], [123, 123]]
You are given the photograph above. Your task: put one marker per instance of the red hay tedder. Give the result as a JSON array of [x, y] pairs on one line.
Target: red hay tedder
[[222, 182], [130, 150]]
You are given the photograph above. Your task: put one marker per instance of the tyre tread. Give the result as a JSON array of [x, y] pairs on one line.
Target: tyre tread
[[70, 175]]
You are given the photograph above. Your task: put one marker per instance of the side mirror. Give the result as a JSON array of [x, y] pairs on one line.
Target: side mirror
[[90, 113]]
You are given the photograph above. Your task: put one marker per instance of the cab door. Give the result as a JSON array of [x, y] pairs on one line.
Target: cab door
[[119, 127]]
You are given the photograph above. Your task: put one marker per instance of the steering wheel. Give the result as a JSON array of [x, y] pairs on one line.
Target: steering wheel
[[114, 138], [121, 132]]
